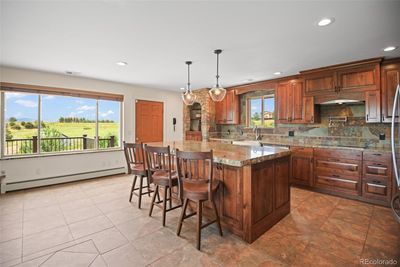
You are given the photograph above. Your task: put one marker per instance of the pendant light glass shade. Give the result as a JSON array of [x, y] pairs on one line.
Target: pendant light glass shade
[[188, 96], [217, 93]]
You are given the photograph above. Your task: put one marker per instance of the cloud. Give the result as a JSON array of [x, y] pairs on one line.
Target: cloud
[[14, 95], [26, 103], [105, 114], [48, 97], [86, 107], [254, 108]]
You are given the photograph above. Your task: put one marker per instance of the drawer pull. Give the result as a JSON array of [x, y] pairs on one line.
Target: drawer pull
[[376, 181], [336, 175], [377, 154]]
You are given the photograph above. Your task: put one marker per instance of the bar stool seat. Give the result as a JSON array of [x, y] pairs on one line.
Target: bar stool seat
[[199, 191], [138, 168], [162, 178]]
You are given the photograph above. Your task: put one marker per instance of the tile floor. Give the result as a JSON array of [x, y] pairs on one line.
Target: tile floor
[[91, 223]]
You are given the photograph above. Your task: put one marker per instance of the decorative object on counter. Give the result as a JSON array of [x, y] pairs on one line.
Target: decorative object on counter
[[188, 96], [217, 93]]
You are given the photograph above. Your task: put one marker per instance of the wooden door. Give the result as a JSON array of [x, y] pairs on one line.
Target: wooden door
[[309, 110], [390, 80], [232, 107], [320, 83], [149, 121], [220, 112], [372, 106], [296, 102], [359, 78], [282, 105]]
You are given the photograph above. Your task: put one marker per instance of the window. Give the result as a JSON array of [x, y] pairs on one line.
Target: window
[[261, 111], [67, 123]]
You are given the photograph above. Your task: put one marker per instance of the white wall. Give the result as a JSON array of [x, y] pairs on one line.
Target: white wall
[[45, 167]]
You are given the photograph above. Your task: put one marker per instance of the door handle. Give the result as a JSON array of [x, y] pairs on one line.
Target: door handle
[[396, 99]]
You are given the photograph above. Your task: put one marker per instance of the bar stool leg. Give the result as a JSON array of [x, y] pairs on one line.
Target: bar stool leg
[[170, 197], [199, 222], [183, 212], [153, 200], [140, 191], [148, 185], [164, 210], [133, 188], [217, 217]]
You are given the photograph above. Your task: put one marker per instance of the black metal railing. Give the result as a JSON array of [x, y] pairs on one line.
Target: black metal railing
[[55, 144]]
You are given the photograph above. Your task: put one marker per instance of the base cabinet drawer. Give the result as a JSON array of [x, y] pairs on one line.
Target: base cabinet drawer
[[338, 184], [376, 190]]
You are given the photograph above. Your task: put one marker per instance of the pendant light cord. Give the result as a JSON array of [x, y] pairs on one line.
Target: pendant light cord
[[217, 69], [188, 84]]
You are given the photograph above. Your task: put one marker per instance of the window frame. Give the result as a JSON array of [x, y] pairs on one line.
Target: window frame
[[39, 95], [248, 111]]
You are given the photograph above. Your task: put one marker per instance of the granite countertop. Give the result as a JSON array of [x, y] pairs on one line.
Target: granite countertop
[[228, 154], [283, 143]]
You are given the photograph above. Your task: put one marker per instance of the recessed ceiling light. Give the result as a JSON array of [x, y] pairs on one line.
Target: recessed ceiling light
[[277, 73], [390, 48], [325, 22], [122, 63], [70, 72]]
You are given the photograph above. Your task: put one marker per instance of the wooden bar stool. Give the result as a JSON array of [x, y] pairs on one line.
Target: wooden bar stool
[[162, 174], [195, 173], [134, 155]]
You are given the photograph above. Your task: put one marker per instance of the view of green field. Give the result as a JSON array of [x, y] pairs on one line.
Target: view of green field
[[69, 129]]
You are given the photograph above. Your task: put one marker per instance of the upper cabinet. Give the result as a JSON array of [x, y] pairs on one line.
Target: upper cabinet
[[352, 77], [291, 105], [227, 111], [390, 79]]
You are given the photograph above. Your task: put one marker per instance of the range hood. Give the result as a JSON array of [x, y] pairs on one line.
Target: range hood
[[342, 101]]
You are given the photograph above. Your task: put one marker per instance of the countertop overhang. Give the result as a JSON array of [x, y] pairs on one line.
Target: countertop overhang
[[228, 154]]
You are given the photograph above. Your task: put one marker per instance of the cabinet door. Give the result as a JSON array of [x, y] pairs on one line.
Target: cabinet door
[[282, 104], [359, 78], [232, 107], [302, 170], [309, 109], [296, 95], [372, 106], [320, 83], [390, 80], [282, 182], [220, 112]]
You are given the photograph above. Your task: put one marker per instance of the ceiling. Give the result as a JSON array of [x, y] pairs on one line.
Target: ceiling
[[156, 38]]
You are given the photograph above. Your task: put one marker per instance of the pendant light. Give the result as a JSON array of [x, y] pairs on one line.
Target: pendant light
[[188, 96], [217, 93]]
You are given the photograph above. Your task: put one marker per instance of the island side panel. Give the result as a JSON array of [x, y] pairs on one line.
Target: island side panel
[[266, 195]]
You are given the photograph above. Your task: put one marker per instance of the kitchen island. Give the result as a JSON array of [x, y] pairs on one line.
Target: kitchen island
[[256, 192]]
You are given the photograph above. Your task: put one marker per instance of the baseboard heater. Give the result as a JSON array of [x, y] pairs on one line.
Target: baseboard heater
[[62, 179]]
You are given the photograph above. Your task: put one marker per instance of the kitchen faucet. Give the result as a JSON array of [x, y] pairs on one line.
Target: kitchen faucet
[[257, 131]]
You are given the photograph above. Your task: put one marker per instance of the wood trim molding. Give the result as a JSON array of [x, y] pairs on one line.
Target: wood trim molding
[[345, 65], [27, 88]]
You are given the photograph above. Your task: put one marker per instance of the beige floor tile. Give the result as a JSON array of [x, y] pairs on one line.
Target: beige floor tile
[[10, 250], [107, 240], [42, 213], [11, 231], [76, 215], [346, 229], [119, 203], [98, 262], [138, 227], [82, 247], [76, 204], [69, 259], [125, 256], [90, 226], [158, 244], [43, 224], [45, 240], [123, 215], [11, 218], [34, 262]]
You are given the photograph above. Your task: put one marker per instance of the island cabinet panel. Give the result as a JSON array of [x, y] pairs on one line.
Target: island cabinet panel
[[390, 75], [302, 166], [266, 196], [231, 207], [263, 188]]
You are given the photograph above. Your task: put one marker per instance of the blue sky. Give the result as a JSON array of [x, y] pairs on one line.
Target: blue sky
[[269, 105], [25, 106]]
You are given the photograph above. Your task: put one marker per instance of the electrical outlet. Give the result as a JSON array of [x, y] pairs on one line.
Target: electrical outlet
[[382, 136], [291, 133]]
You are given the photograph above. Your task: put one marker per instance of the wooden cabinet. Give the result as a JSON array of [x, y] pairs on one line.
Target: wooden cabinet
[[390, 79], [377, 177], [227, 110], [311, 112], [373, 106], [302, 166], [356, 76], [193, 136], [338, 171], [289, 102]]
